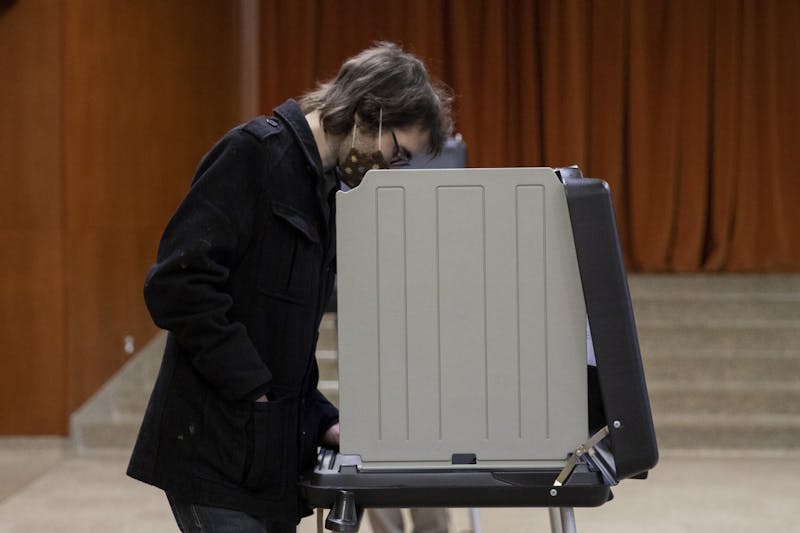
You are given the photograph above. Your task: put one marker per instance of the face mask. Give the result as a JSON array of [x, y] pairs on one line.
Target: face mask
[[357, 163]]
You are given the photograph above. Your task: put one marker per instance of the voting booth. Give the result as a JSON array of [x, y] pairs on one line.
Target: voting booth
[[488, 353]]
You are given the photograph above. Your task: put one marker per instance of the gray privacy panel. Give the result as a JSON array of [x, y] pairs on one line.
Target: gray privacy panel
[[462, 326]]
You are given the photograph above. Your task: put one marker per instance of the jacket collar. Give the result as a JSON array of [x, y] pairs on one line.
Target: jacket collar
[[293, 116]]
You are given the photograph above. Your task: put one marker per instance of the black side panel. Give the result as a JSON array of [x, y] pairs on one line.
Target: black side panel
[[608, 304]]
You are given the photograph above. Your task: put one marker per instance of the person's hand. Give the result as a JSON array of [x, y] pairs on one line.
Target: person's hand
[[262, 399], [331, 437]]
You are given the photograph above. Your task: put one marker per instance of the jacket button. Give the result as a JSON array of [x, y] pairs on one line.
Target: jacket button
[[272, 122]]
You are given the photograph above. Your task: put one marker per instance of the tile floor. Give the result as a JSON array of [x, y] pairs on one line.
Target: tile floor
[[45, 488]]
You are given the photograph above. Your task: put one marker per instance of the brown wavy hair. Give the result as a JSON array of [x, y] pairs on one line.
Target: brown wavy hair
[[383, 77]]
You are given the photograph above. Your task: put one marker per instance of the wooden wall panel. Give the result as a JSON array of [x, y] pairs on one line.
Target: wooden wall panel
[[105, 110], [105, 302], [32, 361], [149, 86]]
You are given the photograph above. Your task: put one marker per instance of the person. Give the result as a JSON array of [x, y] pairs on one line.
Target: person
[[243, 272]]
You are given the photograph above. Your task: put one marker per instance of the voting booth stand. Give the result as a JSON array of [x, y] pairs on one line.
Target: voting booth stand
[[468, 300]]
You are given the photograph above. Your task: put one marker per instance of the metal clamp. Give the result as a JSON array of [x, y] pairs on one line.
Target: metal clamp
[[580, 451]]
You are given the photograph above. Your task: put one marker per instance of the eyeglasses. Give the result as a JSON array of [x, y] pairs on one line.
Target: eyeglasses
[[400, 157]]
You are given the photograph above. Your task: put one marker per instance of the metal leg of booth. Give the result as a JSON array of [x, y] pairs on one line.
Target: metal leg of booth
[[475, 520], [555, 520], [568, 520], [562, 520], [344, 516]]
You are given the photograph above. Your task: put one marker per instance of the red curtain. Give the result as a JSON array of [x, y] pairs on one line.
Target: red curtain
[[688, 108]]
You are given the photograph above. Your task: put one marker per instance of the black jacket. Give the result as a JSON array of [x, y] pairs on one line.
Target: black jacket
[[244, 269]]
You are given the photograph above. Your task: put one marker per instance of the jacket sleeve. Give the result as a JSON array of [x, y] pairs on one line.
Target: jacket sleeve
[[326, 413], [185, 290]]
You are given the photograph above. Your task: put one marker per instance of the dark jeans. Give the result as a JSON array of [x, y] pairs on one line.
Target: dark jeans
[[193, 518]]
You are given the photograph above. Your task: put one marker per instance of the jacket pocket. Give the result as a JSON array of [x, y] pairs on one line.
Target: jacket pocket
[[222, 443], [269, 440], [290, 256], [247, 445]]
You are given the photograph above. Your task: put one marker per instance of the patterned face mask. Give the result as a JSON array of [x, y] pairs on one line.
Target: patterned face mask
[[357, 163]]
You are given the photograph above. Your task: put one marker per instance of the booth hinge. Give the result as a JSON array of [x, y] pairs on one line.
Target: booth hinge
[[585, 448]]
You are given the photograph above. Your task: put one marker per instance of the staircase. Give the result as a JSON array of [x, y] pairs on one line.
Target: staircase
[[327, 359], [110, 419], [721, 356], [722, 359]]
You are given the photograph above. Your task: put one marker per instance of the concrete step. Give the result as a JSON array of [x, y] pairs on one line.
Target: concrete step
[[727, 399], [716, 301], [692, 287], [92, 436], [725, 366], [111, 417], [762, 312], [130, 401], [328, 362], [330, 389], [327, 333], [328, 358], [746, 432], [718, 337]]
